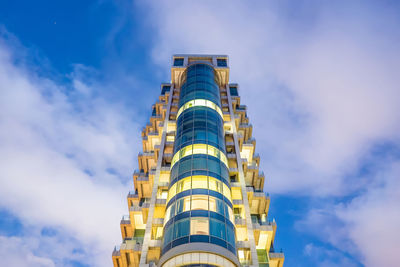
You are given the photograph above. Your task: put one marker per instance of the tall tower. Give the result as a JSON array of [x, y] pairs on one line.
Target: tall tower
[[198, 198]]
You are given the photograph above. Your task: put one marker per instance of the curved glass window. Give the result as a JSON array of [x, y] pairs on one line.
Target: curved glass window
[[182, 205], [199, 125], [199, 149], [217, 228], [198, 202], [181, 228], [201, 103], [199, 226], [199, 182]]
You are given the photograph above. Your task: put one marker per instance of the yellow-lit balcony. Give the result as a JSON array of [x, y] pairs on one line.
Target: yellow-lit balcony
[[126, 227], [276, 259], [143, 183], [138, 214], [264, 232], [147, 160], [258, 200]]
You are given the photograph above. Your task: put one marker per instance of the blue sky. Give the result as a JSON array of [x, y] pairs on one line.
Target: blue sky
[[320, 78]]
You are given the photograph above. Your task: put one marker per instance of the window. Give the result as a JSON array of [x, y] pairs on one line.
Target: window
[[171, 192], [199, 182], [178, 62], [181, 228], [199, 202], [241, 233], [167, 214], [229, 213], [168, 234], [214, 166], [221, 62], [165, 88], [182, 205], [213, 204], [183, 185], [199, 163], [156, 232], [215, 185], [186, 151], [163, 194], [199, 226], [227, 192], [234, 91], [236, 193], [220, 206], [230, 235], [199, 149], [217, 229]]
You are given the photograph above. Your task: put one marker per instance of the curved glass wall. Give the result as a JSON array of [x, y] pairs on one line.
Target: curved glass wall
[[199, 204]]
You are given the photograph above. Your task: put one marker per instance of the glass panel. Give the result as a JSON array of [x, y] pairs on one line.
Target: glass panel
[[168, 234], [227, 192], [182, 205], [199, 202], [199, 163], [171, 192], [215, 185], [167, 214], [220, 206], [186, 151], [214, 166], [213, 204], [217, 229], [172, 211], [183, 185], [181, 228], [175, 159], [186, 204], [229, 213], [230, 235], [199, 149], [199, 226], [199, 182], [224, 159]]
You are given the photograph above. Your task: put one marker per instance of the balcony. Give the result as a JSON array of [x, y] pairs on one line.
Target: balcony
[[240, 221], [276, 255], [144, 203], [276, 259], [133, 244], [250, 141], [231, 155], [133, 194], [116, 252], [262, 224], [241, 108], [158, 221], [161, 201], [126, 219]]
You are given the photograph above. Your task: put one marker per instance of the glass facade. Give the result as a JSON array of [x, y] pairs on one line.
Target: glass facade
[[199, 204]]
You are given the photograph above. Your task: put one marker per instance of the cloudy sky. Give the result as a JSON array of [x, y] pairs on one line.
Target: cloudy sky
[[321, 80]]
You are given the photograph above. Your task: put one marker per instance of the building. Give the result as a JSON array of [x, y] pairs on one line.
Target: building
[[198, 198]]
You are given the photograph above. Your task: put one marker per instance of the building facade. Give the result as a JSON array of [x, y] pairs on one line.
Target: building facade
[[199, 198]]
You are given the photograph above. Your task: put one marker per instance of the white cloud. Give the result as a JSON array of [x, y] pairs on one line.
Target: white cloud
[[16, 252], [66, 155], [373, 218]]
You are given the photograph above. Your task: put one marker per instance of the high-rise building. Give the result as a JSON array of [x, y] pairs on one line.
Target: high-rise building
[[199, 198]]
